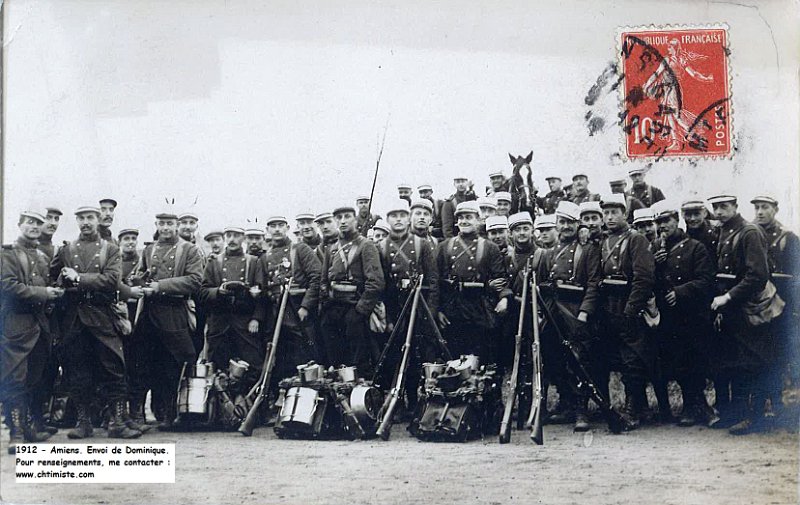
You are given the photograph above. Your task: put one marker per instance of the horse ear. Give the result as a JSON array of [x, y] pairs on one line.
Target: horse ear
[[513, 159], [529, 157]]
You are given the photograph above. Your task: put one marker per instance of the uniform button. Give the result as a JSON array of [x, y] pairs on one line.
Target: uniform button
[[394, 264], [97, 266], [391, 255], [34, 274], [224, 279], [570, 261], [679, 277], [451, 257], [224, 269], [679, 257], [241, 278], [469, 268], [412, 252], [172, 257], [76, 255]]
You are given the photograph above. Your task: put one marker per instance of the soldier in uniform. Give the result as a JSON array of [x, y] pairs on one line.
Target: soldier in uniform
[[187, 230], [216, 243], [698, 227], [463, 193], [305, 225], [225, 296], [783, 254], [107, 208], [628, 269], [592, 221], [366, 220], [380, 231], [25, 338], [352, 284], [570, 280], [743, 352], [91, 269], [175, 271], [426, 193], [550, 201], [52, 220], [684, 281], [633, 203], [404, 256], [503, 199], [644, 223], [421, 215], [580, 190], [329, 232], [488, 208], [644, 192], [254, 238], [472, 286], [404, 192], [285, 260], [497, 183], [548, 234]]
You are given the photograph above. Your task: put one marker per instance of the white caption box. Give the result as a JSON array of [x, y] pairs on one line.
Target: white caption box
[[95, 463]]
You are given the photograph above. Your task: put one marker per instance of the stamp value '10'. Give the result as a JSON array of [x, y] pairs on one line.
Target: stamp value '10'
[[676, 93]]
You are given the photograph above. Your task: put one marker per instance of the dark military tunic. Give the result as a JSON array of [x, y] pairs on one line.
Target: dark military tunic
[[783, 249], [365, 223], [47, 247], [25, 339], [402, 259], [586, 196], [647, 194], [549, 202], [708, 235]]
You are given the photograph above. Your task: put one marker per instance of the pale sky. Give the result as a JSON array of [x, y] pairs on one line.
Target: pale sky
[[256, 109]]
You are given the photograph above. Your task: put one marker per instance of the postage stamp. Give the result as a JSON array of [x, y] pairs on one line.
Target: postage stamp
[[676, 92]]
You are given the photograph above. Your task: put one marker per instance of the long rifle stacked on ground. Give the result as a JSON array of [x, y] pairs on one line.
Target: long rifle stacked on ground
[[505, 425], [389, 406], [262, 386], [616, 424], [538, 402]]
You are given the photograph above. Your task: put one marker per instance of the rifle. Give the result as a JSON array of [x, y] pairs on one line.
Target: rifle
[[377, 167], [505, 424], [389, 406], [537, 405], [249, 422], [615, 421]]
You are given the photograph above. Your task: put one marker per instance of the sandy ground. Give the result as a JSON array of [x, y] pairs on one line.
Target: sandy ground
[[656, 464]]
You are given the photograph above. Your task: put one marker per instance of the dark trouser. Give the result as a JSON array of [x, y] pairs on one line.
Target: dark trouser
[[91, 367], [160, 371], [134, 349], [237, 343], [22, 361], [473, 324], [682, 351], [347, 339], [636, 348]]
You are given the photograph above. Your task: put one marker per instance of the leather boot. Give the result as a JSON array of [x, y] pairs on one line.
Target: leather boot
[[117, 427], [83, 428], [581, 416], [136, 418], [632, 410], [16, 428], [36, 419]]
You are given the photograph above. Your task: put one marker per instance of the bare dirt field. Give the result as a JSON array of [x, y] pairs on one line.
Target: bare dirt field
[[656, 464]]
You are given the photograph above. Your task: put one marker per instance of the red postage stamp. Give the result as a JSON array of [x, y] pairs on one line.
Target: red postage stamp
[[676, 94]]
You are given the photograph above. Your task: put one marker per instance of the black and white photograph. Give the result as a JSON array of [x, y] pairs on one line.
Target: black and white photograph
[[365, 251]]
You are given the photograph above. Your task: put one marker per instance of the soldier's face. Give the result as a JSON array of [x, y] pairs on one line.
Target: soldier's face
[[461, 185], [592, 220], [618, 188], [327, 228], [497, 181], [378, 235], [468, 222], [398, 221], [548, 236], [362, 206], [346, 221], [420, 218], [30, 228], [487, 212], [567, 228], [579, 184], [499, 237], [522, 234], [647, 228], [667, 226], [51, 224], [167, 228], [107, 214], [554, 184], [278, 230], [425, 193], [306, 228], [255, 243], [694, 218], [503, 208], [87, 223], [613, 217], [234, 240], [724, 211], [765, 212], [187, 228], [128, 242], [637, 179], [404, 193], [216, 244]]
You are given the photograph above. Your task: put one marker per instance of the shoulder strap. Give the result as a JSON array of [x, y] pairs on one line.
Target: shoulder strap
[[152, 255], [480, 250], [293, 256], [248, 261], [649, 195], [23, 263], [417, 247], [103, 254], [537, 257], [781, 236], [182, 247], [576, 258]]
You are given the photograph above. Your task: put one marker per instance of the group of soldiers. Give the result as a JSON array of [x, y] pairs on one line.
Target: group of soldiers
[[634, 291]]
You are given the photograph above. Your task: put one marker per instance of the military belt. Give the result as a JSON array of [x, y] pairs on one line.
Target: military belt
[[340, 287]]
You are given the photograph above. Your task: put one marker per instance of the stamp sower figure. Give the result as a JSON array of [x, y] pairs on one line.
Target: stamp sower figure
[[283, 260], [93, 357], [628, 269], [352, 284], [25, 339], [175, 270], [471, 279], [684, 287]]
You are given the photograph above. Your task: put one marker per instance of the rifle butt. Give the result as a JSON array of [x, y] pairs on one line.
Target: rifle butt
[[385, 429], [537, 432], [249, 422]]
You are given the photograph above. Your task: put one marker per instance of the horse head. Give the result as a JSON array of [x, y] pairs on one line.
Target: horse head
[[522, 181]]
